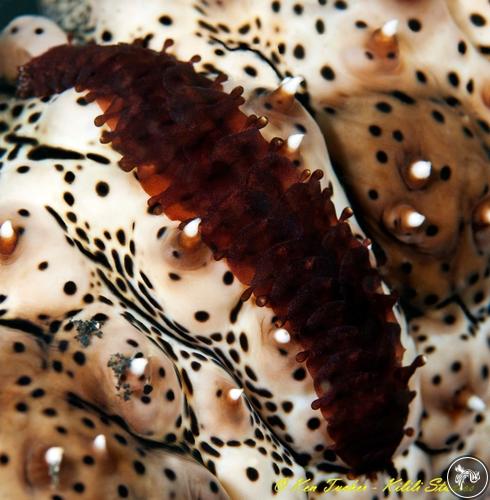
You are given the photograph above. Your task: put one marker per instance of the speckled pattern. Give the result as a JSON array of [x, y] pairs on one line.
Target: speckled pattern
[[124, 267]]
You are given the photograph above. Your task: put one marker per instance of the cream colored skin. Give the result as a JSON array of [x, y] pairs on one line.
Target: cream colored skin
[[26, 437], [443, 22], [271, 367], [125, 208], [342, 46]]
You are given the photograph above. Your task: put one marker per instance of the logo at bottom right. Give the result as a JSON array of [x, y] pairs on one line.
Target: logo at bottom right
[[467, 477]]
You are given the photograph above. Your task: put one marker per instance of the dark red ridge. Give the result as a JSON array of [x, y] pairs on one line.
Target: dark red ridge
[[197, 154]]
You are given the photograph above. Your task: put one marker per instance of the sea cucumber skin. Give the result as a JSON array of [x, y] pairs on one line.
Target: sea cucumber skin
[[197, 155]]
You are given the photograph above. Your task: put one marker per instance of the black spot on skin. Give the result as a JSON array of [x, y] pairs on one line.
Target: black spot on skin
[[452, 101], [201, 316], [210, 450], [19, 347], [79, 358], [456, 366], [123, 491], [82, 234], [170, 474], [121, 237], [382, 157], [328, 73], [375, 130], [438, 117], [445, 173], [99, 244], [236, 311], [102, 188], [98, 158], [397, 135], [384, 107], [298, 9], [17, 110], [299, 52], [69, 177], [57, 366], [313, 423], [228, 278], [431, 230], [88, 460], [38, 393], [478, 20], [49, 153], [243, 342], [449, 319], [453, 78], [165, 20], [24, 380], [71, 217], [70, 288], [299, 374], [373, 194], [34, 117], [252, 473], [340, 5], [21, 407], [243, 30], [69, 199], [120, 439], [139, 467], [106, 36], [415, 25], [87, 422], [421, 76], [402, 97], [250, 70]]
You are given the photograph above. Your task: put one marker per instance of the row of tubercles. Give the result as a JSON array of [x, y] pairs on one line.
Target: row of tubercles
[[403, 220]]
